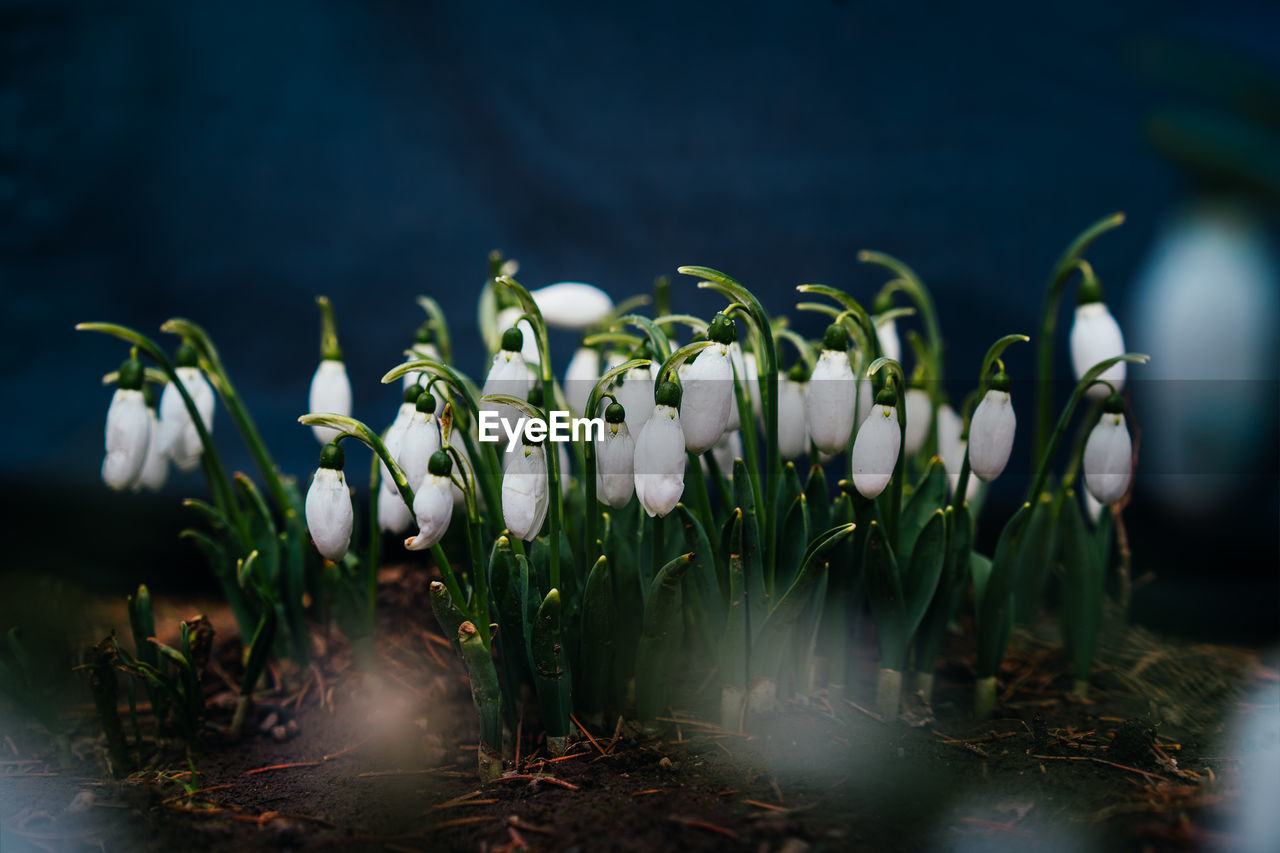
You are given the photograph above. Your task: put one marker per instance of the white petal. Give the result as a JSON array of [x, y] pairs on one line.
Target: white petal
[[830, 400], [660, 462], [918, 414], [635, 394], [524, 493], [793, 433], [507, 317], [951, 447], [580, 377], [1108, 459], [393, 515], [331, 394], [572, 305], [329, 513], [127, 435], [181, 439], [1095, 335], [875, 451], [433, 506], [421, 441], [155, 470], [866, 399], [707, 399], [615, 466], [887, 335], [991, 433]]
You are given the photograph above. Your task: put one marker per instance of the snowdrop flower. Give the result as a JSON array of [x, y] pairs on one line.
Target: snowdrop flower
[[875, 450], [328, 507], [508, 375], [727, 449], [524, 492], [510, 318], [393, 515], [919, 412], [433, 503], [747, 371], [615, 460], [1092, 508], [1095, 336], [952, 447], [423, 347], [128, 431], [793, 432], [660, 455], [155, 470], [1108, 454], [580, 377], [708, 389], [178, 435], [459, 498], [866, 398], [887, 330], [635, 393], [991, 430], [829, 404], [421, 440], [330, 393], [572, 305]]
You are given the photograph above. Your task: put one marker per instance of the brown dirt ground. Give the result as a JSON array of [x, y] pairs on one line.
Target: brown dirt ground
[[386, 763]]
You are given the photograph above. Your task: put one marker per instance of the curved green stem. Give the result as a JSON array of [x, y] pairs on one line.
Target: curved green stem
[[588, 448], [329, 348], [1090, 378], [803, 347], [670, 369], [1063, 270], [439, 326]]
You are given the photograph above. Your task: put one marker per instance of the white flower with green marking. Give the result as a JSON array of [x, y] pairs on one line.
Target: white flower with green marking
[[433, 503], [875, 449], [829, 404], [524, 492], [328, 509], [1108, 454], [991, 430], [660, 454]]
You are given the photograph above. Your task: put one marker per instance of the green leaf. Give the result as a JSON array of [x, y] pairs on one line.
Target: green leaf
[[994, 609], [734, 648], [597, 637], [924, 568], [704, 581], [793, 541], [752, 558], [550, 672], [486, 692], [660, 638], [1082, 589], [884, 590], [930, 495], [819, 499]]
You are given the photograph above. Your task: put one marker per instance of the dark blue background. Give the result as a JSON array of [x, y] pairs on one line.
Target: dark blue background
[[230, 161]]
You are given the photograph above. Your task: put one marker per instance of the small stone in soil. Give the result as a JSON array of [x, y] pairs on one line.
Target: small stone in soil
[[271, 721], [279, 733], [81, 802]]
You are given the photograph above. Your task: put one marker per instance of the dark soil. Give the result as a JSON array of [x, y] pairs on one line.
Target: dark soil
[[387, 762]]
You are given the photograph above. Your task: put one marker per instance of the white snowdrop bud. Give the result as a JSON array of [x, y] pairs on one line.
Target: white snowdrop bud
[[1108, 454], [580, 377], [509, 318], [887, 336], [423, 347], [793, 432], [433, 503], [393, 515], [875, 449], [952, 447], [128, 431], [727, 449], [328, 506], [829, 403], [155, 470], [866, 399], [615, 460], [708, 389], [421, 440], [524, 492], [178, 433], [991, 430], [330, 394], [635, 393], [660, 455], [1095, 336], [572, 305], [919, 412], [507, 375]]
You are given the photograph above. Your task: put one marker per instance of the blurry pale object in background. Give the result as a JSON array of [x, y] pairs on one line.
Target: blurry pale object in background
[[1206, 308]]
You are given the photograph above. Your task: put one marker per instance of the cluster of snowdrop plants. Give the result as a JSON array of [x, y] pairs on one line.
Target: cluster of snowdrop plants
[[684, 541]]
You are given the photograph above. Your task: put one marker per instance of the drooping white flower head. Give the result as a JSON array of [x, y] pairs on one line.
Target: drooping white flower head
[[580, 377], [1095, 335], [572, 305], [128, 431], [331, 394], [875, 449], [866, 399], [393, 515], [1092, 509], [328, 508], [952, 447], [727, 449], [509, 318], [178, 434], [793, 430], [423, 347], [524, 492], [747, 373], [1108, 454], [919, 413], [615, 460], [887, 336], [509, 375], [155, 470], [660, 455], [433, 503], [708, 389], [829, 405], [421, 440], [635, 393], [991, 430]]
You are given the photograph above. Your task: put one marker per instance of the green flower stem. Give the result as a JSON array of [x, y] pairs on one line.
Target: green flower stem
[[702, 500], [589, 450], [373, 554], [1063, 270], [803, 347], [895, 496], [329, 348], [1091, 419], [1090, 378], [768, 358], [624, 338], [657, 338], [480, 582], [555, 509], [439, 326], [697, 324], [215, 473], [671, 367]]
